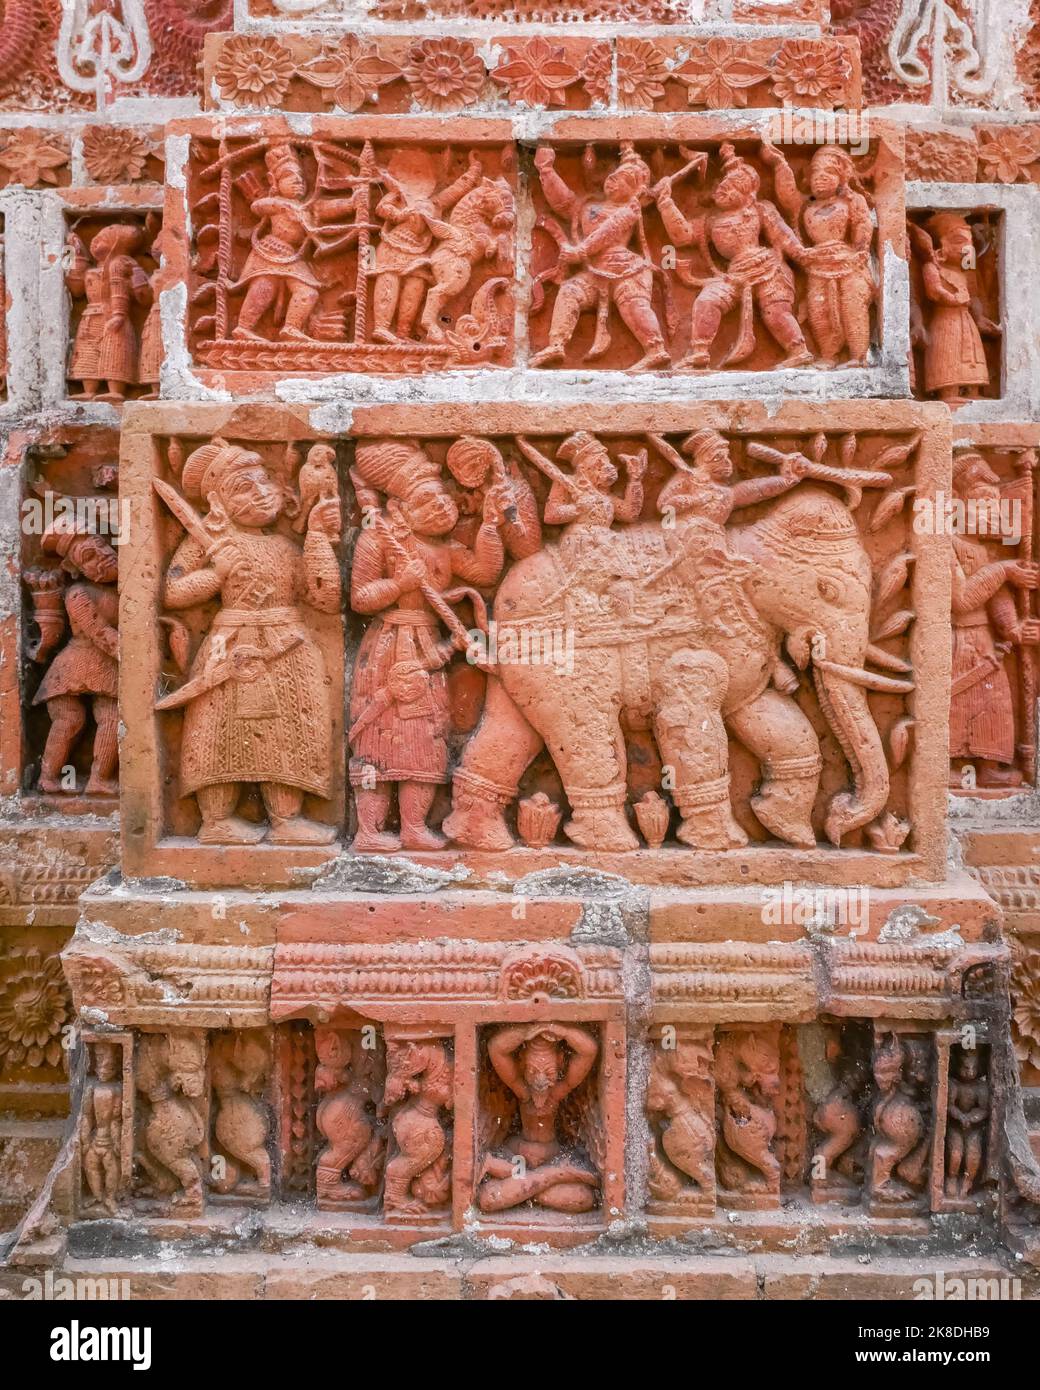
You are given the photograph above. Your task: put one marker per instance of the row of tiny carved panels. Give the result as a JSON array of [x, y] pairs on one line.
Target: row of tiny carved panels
[[401, 72], [519, 1124], [269, 567]]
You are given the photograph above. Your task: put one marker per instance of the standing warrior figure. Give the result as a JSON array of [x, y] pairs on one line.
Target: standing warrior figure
[[402, 571], [101, 1127], [755, 274], [402, 254], [106, 348], [256, 703], [986, 625], [955, 364], [277, 271], [836, 221], [602, 228], [541, 1064], [87, 667]]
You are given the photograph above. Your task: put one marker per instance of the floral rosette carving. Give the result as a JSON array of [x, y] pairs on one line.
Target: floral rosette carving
[[642, 71], [595, 73], [34, 1009], [719, 74], [254, 71], [30, 158], [808, 73], [444, 73], [1005, 155], [114, 154]]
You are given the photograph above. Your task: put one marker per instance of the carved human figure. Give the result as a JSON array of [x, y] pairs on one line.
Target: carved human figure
[[403, 570], [967, 1115], [419, 1087], [477, 466], [955, 321], [583, 498], [349, 1166], [256, 703], [85, 672], [835, 219], [598, 241], [239, 1066], [747, 1081], [900, 1149], [278, 276], [839, 1120], [171, 1076], [151, 357], [986, 627], [542, 1064], [680, 1104], [106, 347], [755, 275], [412, 235], [101, 1127]]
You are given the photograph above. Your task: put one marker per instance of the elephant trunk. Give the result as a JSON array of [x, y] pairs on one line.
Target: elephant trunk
[[844, 704]]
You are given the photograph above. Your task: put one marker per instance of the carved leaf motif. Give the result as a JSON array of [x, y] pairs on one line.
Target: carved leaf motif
[[899, 742], [353, 73], [890, 505], [718, 76], [892, 578], [893, 626], [896, 454]]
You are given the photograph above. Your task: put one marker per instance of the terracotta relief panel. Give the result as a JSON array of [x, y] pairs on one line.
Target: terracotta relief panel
[[710, 254], [956, 272], [463, 550], [337, 253], [71, 533]]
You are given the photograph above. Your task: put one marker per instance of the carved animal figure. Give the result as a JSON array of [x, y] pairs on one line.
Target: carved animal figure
[[171, 1076], [352, 1142], [419, 1084], [747, 1077], [474, 230], [239, 1073], [707, 632]]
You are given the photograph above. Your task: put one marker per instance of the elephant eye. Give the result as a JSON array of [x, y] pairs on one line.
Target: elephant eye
[[828, 589]]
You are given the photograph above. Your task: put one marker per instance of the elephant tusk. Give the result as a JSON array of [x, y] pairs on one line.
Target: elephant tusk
[[890, 663], [884, 684]]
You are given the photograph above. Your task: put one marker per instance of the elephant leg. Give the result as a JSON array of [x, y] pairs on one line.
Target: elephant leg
[[775, 730], [578, 715], [488, 778], [691, 738]]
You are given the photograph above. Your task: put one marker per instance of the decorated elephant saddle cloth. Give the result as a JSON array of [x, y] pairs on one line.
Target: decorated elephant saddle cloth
[[643, 581]]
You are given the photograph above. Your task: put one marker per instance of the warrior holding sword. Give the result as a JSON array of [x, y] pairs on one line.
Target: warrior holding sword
[[256, 707]]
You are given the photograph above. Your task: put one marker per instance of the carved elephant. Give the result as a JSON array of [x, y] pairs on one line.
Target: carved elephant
[[684, 628]]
